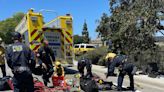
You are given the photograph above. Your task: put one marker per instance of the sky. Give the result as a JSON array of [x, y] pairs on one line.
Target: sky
[[89, 10], [158, 33]]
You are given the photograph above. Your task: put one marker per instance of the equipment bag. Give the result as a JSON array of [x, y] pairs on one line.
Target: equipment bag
[[88, 85], [104, 86], [38, 85], [58, 80], [4, 83]]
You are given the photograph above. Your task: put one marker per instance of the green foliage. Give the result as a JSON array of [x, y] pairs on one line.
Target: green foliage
[[85, 28], [131, 28], [8, 25], [8, 37], [103, 27], [2, 35], [85, 33], [132, 24], [136, 24], [77, 39], [94, 55], [102, 61]]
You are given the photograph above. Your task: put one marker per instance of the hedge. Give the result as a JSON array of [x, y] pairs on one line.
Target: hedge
[[95, 56]]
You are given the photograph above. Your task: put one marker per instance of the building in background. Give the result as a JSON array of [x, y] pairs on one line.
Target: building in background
[[159, 40]]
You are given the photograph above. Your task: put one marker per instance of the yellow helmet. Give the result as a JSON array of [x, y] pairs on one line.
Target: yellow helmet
[[57, 63], [110, 55], [100, 81]]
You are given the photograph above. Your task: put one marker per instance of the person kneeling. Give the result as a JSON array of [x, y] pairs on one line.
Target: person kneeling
[[58, 69]]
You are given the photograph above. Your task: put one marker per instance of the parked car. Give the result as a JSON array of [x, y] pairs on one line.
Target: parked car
[[83, 48]]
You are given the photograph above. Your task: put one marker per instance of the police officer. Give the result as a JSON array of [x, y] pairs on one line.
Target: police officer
[[85, 63], [2, 58], [47, 56], [125, 68], [20, 59]]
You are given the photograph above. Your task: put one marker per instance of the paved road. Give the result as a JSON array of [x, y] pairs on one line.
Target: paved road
[[142, 83]]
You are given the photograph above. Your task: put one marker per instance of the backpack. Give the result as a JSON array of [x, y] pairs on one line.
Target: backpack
[[4, 83], [104, 86], [88, 85], [38, 85]]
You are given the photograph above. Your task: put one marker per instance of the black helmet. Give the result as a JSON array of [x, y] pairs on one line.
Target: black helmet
[[16, 36]]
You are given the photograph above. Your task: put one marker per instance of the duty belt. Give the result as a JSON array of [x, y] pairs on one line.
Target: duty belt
[[21, 69]]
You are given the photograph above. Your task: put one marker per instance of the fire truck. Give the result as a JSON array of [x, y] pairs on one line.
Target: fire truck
[[58, 32]]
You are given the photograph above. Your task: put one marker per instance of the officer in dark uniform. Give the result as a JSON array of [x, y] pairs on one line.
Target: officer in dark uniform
[[85, 63], [47, 56], [124, 68], [20, 59]]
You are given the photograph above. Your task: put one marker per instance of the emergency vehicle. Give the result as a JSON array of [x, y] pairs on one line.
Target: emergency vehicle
[[58, 32], [83, 48]]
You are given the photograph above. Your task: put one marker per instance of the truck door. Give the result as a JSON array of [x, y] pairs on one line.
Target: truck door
[[54, 40]]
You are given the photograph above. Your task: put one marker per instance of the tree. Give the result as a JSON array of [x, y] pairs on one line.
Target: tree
[[103, 27], [85, 33], [8, 25], [132, 26], [77, 39]]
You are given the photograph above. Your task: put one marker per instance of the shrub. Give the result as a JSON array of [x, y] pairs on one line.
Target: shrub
[[102, 61], [94, 55]]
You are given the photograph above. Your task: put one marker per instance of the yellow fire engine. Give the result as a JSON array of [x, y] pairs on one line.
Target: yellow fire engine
[[58, 32]]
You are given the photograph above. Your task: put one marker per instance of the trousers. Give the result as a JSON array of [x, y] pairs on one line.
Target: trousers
[[23, 82]]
